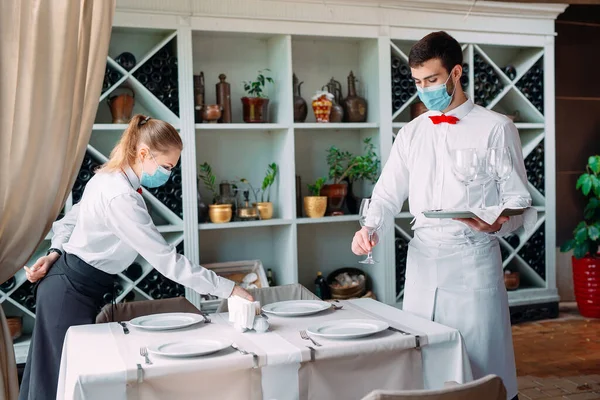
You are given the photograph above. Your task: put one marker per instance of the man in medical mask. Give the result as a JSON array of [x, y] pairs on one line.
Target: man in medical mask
[[454, 269]]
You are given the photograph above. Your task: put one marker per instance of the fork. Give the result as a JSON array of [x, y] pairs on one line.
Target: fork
[[144, 353], [305, 336], [206, 318]]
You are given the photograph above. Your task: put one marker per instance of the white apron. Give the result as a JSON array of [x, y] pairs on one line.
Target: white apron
[[459, 282]]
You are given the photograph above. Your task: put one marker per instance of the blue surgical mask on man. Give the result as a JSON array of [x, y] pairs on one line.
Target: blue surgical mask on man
[[158, 178], [436, 98]]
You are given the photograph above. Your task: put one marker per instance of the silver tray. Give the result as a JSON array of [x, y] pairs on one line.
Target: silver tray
[[509, 212]]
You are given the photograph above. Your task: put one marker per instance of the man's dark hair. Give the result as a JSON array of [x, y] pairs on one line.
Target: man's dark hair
[[436, 45]]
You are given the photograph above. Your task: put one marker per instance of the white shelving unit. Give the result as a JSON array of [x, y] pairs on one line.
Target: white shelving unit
[[315, 41]]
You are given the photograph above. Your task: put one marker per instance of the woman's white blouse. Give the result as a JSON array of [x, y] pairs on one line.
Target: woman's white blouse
[[420, 168], [111, 225]]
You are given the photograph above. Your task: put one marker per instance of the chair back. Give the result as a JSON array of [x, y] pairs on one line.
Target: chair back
[[134, 309], [489, 387]]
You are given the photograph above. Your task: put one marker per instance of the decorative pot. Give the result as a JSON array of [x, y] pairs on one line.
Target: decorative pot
[[220, 213], [321, 104], [15, 327], [300, 107], [265, 209], [417, 109], [211, 113], [255, 109], [224, 99], [512, 280], [337, 111], [336, 196], [315, 206], [355, 107], [352, 201], [586, 282], [198, 96], [121, 106]]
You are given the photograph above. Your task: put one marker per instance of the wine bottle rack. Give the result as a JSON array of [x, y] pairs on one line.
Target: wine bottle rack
[[24, 296], [532, 86], [533, 252], [487, 85], [534, 164], [111, 76], [403, 87], [159, 76], [401, 248], [154, 284], [86, 172]]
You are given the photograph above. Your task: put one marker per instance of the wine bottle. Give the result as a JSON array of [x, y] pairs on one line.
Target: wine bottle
[[270, 279], [155, 293], [156, 77], [166, 71], [134, 271], [142, 78], [396, 63], [8, 285], [84, 175], [322, 287], [172, 62], [163, 54], [147, 69], [29, 303], [129, 297], [156, 63], [107, 298], [152, 87]]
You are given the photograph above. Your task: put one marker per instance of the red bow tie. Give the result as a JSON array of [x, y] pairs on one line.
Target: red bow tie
[[451, 119], [139, 190]]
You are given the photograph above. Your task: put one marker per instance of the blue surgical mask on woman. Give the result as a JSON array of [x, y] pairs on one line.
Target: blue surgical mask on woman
[[436, 98], [158, 178]]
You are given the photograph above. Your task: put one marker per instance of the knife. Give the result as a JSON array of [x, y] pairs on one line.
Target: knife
[[125, 329]]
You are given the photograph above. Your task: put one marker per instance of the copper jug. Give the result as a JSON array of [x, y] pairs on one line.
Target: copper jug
[[355, 107], [198, 96], [300, 106], [337, 111], [224, 99], [121, 106]]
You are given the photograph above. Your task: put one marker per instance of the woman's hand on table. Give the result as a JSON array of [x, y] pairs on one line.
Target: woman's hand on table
[[40, 268], [241, 292]]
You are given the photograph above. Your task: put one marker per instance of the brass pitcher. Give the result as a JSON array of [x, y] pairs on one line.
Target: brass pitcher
[[300, 106], [121, 106], [355, 107]]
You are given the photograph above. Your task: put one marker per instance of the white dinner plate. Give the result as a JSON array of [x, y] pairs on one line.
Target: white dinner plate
[[509, 212], [348, 329], [164, 322], [296, 308], [189, 348]]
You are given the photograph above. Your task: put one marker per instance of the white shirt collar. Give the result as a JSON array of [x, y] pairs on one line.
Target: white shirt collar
[[132, 177], [461, 111]]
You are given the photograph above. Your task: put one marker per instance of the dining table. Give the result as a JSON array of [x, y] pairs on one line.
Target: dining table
[[104, 361]]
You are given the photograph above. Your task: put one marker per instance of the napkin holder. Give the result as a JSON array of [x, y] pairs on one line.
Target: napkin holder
[[245, 314]]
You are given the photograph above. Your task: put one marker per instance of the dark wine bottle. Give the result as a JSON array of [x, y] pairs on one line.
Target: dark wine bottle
[[396, 63], [163, 54], [173, 62], [147, 69], [156, 63], [166, 71], [270, 279], [142, 78], [84, 175], [29, 303], [129, 297], [8, 285], [322, 287], [134, 271]]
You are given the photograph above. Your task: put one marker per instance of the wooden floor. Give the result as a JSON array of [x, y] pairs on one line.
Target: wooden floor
[[559, 358]]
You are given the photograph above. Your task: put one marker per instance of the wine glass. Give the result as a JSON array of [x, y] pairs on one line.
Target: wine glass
[[499, 166], [465, 164], [371, 217], [482, 177]]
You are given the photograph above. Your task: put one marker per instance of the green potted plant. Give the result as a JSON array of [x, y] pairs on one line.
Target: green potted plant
[[365, 168], [217, 212], [345, 169], [255, 106], [264, 206], [586, 243], [315, 205]]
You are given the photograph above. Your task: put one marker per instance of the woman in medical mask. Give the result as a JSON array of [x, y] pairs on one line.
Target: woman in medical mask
[[99, 238]]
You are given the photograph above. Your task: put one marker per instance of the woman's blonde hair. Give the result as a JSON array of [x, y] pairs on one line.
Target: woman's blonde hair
[[159, 136]]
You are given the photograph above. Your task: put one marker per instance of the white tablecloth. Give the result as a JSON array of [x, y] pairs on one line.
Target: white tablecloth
[[101, 362]]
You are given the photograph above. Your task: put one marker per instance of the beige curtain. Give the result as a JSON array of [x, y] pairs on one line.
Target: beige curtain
[[52, 61]]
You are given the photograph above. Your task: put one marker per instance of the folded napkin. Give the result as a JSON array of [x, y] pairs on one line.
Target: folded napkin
[[490, 214], [242, 312]]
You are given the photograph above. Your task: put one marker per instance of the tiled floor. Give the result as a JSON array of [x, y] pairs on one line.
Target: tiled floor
[[560, 358]]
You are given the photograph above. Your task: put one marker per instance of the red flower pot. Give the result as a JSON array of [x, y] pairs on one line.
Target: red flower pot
[[586, 282]]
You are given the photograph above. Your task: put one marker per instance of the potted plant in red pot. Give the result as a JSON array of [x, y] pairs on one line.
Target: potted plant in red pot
[[255, 106], [365, 168], [586, 244], [340, 166]]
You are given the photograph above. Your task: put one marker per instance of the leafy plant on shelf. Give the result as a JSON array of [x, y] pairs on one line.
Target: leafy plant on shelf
[[586, 236], [209, 180], [344, 165], [256, 88], [268, 182], [265, 189], [315, 189]]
